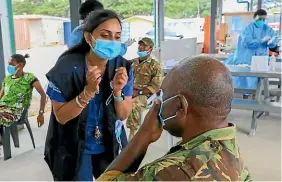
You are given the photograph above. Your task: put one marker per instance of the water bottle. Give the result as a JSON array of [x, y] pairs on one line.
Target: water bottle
[[228, 42], [272, 62]]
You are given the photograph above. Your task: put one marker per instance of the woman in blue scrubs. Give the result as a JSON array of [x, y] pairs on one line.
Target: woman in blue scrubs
[[91, 89], [254, 40]]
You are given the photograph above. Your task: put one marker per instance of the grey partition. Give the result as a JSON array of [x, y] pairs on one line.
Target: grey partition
[[178, 49]]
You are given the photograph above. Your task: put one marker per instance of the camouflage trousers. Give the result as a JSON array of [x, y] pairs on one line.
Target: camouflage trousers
[[8, 116], [133, 121]]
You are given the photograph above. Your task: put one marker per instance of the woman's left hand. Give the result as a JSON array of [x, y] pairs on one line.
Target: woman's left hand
[[120, 79]]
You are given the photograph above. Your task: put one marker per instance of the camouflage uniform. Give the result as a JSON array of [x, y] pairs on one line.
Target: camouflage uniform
[[147, 74], [211, 156]]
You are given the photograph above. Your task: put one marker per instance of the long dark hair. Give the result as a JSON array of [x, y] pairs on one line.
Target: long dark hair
[[94, 19]]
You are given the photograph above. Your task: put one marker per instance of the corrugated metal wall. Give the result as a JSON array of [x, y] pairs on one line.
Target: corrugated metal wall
[[22, 34]]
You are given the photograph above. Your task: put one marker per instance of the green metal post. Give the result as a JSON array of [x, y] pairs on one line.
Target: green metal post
[[11, 26], [155, 22]]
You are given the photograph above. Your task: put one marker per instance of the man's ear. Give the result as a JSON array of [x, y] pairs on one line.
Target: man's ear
[[150, 50], [182, 112]]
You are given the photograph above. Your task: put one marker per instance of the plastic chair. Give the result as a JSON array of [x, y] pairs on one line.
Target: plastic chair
[[5, 134], [23, 120]]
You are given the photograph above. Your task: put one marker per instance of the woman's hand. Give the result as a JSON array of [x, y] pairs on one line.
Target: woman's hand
[[120, 79], [93, 78]]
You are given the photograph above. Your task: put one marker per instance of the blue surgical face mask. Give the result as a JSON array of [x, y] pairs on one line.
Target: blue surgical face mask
[[106, 49], [259, 23], [160, 98], [123, 49], [11, 69], [118, 132], [142, 54]]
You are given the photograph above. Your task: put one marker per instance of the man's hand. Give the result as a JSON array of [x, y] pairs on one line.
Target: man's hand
[[130, 158], [151, 127], [120, 79], [40, 120]]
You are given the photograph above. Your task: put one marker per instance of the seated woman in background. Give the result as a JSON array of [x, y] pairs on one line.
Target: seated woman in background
[[91, 89], [16, 92]]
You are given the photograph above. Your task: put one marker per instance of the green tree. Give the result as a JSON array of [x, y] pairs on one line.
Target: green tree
[[58, 8], [173, 8], [125, 8], [23, 7]]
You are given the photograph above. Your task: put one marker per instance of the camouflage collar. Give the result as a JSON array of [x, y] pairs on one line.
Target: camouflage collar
[[149, 59], [227, 133]]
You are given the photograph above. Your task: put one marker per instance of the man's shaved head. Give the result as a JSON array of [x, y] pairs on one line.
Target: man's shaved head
[[206, 84]]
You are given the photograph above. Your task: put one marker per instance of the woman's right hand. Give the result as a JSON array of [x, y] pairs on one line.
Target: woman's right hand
[[93, 78]]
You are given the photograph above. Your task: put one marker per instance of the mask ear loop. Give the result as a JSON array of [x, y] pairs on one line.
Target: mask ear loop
[[92, 39], [161, 109], [16, 69], [110, 98], [170, 116]]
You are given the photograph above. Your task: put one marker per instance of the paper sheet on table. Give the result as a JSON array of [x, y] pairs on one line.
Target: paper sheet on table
[[259, 63]]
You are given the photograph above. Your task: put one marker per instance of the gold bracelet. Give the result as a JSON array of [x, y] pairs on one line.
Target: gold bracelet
[[85, 91], [78, 103], [85, 102]]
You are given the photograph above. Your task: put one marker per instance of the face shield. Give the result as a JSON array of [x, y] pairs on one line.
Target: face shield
[[260, 17], [260, 21]]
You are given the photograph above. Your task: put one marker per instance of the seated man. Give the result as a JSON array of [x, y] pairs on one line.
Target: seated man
[[147, 81], [194, 103], [16, 92]]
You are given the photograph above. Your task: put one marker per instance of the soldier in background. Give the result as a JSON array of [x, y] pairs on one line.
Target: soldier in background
[[147, 81]]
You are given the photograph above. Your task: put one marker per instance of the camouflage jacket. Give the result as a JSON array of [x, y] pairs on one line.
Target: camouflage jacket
[[213, 155], [147, 74]]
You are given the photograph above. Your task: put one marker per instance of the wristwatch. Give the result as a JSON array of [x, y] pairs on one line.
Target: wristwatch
[[117, 98], [140, 92], [41, 111]]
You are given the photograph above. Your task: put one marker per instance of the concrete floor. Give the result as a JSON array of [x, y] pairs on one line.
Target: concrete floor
[[261, 153]]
